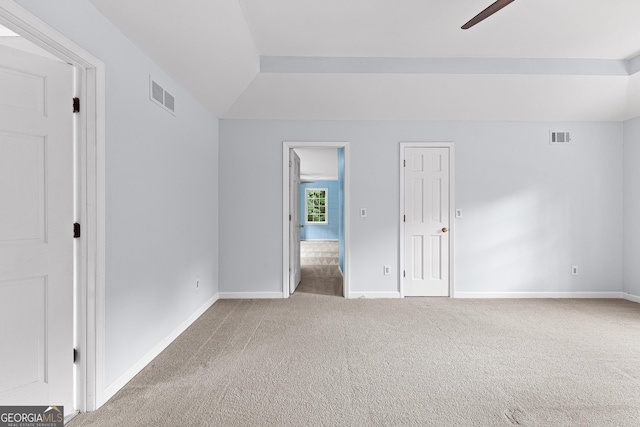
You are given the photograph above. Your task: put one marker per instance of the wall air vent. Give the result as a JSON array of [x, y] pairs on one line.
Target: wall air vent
[[169, 101], [560, 138], [161, 97], [157, 93]]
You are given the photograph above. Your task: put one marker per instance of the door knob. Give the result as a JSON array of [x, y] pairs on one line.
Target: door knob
[[445, 229]]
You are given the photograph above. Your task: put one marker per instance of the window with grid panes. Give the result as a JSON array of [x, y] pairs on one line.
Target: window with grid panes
[[317, 206]]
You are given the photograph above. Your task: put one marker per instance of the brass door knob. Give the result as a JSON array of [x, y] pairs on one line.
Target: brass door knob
[[445, 229]]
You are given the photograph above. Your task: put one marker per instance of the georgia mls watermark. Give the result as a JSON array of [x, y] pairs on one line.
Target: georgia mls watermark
[[31, 416]]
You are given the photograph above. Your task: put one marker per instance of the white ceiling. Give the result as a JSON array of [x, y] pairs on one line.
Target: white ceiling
[[431, 28], [318, 163], [10, 39], [214, 48], [5, 32], [205, 45]]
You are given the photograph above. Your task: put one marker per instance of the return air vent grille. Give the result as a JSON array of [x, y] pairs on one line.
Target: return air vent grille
[[560, 138], [157, 93], [168, 101], [160, 96]]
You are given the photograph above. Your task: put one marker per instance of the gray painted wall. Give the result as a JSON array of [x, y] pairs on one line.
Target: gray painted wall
[[161, 189], [632, 206], [531, 210]]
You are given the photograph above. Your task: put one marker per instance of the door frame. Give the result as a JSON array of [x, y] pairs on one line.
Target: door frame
[[286, 146], [294, 194], [89, 195], [452, 204]]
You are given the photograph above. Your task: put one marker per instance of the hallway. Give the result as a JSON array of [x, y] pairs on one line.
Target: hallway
[[320, 272]]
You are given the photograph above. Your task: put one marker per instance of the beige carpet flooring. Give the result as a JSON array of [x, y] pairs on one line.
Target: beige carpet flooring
[[319, 268], [315, 360]]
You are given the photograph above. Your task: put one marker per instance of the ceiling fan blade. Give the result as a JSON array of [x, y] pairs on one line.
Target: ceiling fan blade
[[487, 13]]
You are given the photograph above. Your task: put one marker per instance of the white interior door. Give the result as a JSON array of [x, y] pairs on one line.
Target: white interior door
[[426, 221], [294, 223], [36, 230]]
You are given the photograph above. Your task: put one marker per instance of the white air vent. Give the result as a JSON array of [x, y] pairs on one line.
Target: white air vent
[[560, 138], [161, 97]]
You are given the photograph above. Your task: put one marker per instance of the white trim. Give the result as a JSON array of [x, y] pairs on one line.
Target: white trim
[[374, 295], [630, 297], [452, 208], [115, 386], [250, 295], [90, 71], [486, 66], [320, 240], [608, 295], [286, 146]]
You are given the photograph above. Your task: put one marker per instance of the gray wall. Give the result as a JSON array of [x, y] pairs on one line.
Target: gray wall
[[161, 189], [632, 206], [531, 210]]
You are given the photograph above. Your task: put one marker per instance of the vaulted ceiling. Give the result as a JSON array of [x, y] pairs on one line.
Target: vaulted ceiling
[[395, 60]]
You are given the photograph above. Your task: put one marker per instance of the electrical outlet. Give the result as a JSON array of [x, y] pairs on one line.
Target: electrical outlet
[[387, 270], [574, 270], [363, 212], [458, 213]]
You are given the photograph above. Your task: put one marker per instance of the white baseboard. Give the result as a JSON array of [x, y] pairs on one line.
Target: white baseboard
[[115, 386], [372, 295], [250, 295], [631, 297], [319, 240], [614, 295]]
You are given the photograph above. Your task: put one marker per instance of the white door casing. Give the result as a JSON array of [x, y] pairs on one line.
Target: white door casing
[[426, 221], [90, 198], [294, 223], [36, 230]]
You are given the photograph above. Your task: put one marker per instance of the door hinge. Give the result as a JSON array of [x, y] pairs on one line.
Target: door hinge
[[404, 218], [404, 273], [76, 105], [75, 355], [289, 163], [76, 230], [289, 217], [404, 163]]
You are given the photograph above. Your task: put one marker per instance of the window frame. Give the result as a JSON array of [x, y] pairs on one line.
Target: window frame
[[326, 206]]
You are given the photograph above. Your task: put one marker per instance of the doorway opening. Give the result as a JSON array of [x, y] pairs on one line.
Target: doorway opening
[[87, 192], [315, 220], [321, 200]]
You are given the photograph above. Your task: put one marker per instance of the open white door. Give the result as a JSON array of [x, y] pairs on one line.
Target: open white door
[[294, 221], [426, 221], [36, 231]]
